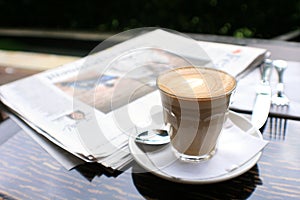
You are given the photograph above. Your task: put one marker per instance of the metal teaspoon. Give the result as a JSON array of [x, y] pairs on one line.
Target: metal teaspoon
[[154, 137]]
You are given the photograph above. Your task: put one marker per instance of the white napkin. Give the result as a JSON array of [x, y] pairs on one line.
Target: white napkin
[[235, 148]]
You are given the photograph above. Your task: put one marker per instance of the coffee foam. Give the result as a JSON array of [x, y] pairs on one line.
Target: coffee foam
[[196, 82]]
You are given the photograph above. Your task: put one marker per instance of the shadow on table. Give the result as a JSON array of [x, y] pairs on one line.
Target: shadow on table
[[153, 187], [92, 170]]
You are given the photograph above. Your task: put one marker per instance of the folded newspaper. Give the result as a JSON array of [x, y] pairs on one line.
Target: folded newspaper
[[91, 106]]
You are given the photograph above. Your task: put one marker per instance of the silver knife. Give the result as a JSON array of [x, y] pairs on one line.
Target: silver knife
[[263, 96]]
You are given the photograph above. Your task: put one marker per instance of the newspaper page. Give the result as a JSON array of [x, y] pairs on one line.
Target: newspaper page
[[234, 59], [90, 107]]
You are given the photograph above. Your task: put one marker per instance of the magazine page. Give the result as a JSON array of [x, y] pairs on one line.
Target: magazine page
[[91, 106]]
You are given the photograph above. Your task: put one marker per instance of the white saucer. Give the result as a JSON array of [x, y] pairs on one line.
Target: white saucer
[[145, 161]]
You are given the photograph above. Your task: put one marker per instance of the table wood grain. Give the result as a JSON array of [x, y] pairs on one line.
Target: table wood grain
[[28, 172]]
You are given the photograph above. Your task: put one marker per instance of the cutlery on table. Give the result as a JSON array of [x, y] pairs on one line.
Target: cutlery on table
[[280, 99], [262, 103], [280, 102]]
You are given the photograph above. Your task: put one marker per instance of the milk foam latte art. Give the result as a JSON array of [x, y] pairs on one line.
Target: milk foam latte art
[[195, 103]]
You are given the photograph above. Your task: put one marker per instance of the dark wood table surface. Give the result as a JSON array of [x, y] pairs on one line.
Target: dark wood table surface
[[27, 171]]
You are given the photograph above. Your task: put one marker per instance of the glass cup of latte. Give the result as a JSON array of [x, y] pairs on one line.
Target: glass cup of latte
[[195, 104]]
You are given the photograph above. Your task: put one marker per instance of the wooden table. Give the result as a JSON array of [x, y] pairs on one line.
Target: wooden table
[[28, 172]]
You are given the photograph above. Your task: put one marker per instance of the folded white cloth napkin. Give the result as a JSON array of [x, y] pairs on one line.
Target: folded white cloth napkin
[[235, 148]]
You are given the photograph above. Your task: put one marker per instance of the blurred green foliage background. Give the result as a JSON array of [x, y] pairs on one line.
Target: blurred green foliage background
[[239, 18]]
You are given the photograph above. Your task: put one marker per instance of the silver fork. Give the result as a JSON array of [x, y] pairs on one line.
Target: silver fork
[[280, 99], [277, 127], [280, 103]]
